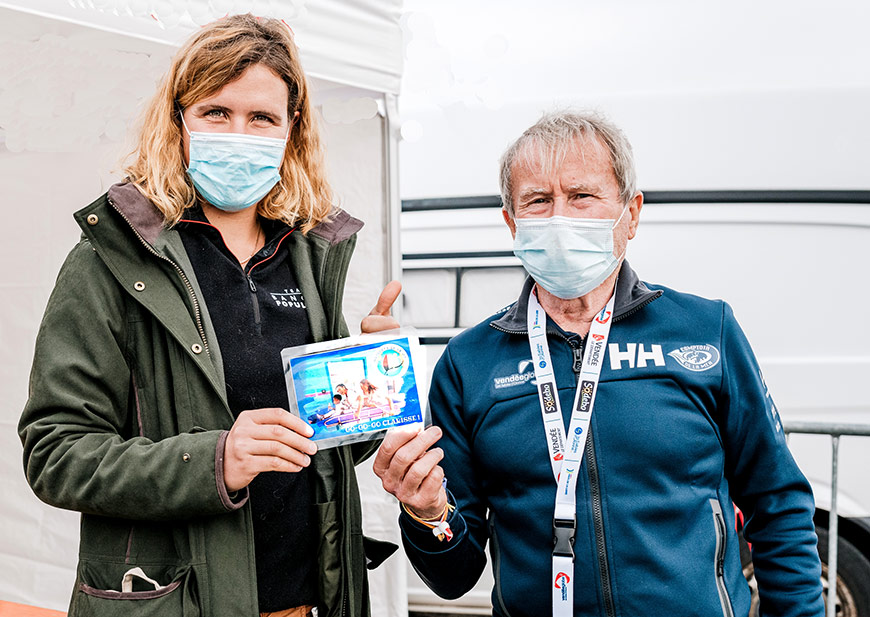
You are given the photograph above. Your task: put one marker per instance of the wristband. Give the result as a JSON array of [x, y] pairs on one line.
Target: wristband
[[439, 525]]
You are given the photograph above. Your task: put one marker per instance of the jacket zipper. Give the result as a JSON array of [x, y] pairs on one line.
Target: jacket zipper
[[594, 482], [598, 524], [595, 489], [255, 300], [196, 309], [597, 506], [719, 560]]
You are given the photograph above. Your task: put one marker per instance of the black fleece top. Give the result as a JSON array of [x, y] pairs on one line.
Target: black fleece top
[[256, 313]]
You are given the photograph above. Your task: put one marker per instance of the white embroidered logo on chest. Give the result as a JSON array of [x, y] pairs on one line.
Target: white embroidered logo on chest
[[289, 298], [635, 354]]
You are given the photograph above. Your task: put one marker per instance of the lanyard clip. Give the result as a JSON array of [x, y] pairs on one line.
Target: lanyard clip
[[563, 537]]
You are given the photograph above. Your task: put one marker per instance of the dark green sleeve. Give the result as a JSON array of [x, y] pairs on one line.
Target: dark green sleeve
[[80, 449]]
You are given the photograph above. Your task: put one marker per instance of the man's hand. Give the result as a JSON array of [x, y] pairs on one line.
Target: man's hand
[[380, 319], [268, 439], [410, 471]]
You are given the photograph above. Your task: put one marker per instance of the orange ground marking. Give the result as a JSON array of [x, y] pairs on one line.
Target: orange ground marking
[[10, 609]]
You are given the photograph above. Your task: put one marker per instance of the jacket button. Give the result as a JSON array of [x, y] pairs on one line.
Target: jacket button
[[185, 457], [93, 219], [139, 286], [196, 348]]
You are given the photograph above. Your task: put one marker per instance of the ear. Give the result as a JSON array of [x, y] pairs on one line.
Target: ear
[[510, 222], [634, 208]]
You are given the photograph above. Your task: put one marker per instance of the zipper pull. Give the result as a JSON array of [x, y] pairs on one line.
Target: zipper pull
[[251, 284], [578, 358]]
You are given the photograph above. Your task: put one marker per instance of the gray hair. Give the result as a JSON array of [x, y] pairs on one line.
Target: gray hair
[[553, 136]]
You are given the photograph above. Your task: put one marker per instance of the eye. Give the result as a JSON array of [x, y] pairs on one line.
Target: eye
[[214, 113], [263, 118]]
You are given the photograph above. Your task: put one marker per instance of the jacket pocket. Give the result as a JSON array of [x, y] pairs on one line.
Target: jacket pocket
[[495, 553], [719, 557], [95, 597]]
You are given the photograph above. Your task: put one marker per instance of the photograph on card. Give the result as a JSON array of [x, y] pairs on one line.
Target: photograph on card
[[353, 393]]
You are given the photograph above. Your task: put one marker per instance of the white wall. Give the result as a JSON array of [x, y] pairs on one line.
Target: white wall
[[712, 95]]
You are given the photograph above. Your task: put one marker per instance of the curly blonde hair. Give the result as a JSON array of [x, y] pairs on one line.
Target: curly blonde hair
[[214, 56]]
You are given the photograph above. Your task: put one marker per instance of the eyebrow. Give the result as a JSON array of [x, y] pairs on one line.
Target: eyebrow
[[209, 107], [266, 112], [583, 188], [532, 192], [256, 112]]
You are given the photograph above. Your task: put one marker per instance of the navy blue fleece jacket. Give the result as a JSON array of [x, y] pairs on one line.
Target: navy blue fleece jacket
[[683, 425]]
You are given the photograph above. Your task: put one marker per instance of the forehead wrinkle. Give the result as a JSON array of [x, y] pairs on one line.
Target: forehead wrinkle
[[583, 188]]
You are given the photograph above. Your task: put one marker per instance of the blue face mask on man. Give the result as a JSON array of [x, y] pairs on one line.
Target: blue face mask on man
[[569, 257], [234, 171]]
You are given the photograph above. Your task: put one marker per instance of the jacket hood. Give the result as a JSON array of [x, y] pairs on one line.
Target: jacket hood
[[631, 293], [148, 221]]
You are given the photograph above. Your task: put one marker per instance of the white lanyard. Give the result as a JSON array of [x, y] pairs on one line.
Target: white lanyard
[[566, 461]]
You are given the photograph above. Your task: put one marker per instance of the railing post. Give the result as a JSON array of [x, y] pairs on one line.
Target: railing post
[[833, 539]]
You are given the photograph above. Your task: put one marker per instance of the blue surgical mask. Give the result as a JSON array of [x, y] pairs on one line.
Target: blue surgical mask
[[234, 171], [568, 257]]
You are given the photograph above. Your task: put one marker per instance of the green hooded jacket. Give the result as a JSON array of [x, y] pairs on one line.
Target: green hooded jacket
[[127, 417]]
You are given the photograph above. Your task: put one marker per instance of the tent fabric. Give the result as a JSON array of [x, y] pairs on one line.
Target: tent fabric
[[355, 43], [72, 80]]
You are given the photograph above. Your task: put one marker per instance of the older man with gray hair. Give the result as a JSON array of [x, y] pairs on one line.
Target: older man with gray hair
[[598, 431]]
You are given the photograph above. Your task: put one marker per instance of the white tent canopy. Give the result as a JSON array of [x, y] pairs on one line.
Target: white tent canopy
[[73, 77], [356, 44]]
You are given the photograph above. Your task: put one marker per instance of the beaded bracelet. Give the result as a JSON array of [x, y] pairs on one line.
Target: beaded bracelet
[[439, 525]]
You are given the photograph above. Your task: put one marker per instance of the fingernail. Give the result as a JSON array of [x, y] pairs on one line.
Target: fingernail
[[306, 461]]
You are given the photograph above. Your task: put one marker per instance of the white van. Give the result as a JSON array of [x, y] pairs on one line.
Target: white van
[[792, 264]]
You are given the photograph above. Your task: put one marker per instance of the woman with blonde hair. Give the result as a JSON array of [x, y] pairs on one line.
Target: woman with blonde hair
[[157, 402]]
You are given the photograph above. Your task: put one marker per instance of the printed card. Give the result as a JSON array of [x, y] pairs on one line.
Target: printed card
[[355, 388]]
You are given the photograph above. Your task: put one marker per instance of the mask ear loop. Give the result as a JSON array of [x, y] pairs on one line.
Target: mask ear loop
[[624, 250], [183, 123], [620, 217]]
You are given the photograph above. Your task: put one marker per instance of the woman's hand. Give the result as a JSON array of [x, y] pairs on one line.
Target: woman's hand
[[409, 470], [268, 439], [380, 319]]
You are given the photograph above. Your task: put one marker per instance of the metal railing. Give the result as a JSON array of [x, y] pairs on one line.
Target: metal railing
[[835, 430]]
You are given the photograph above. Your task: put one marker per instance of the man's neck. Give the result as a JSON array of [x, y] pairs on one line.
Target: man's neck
[[576, 314]]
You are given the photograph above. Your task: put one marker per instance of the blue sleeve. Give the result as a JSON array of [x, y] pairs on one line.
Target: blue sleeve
[[766, 484], [451, 568]]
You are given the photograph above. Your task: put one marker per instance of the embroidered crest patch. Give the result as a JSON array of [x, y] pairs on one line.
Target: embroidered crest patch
[[696, 357]]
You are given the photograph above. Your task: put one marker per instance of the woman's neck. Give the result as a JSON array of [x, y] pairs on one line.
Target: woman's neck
[[241, 230]]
